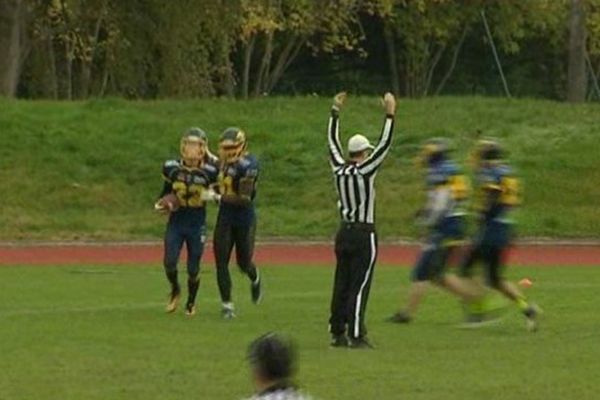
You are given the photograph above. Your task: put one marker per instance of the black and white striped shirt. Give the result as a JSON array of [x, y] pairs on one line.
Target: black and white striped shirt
[[355, 182]]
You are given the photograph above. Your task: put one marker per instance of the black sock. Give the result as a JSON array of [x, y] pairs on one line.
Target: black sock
[[224, 281], [252, 273], [172, 277], [193, 285]]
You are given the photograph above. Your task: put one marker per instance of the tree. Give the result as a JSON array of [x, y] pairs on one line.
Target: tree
[[12, 44], [273, 32], [577, 78]]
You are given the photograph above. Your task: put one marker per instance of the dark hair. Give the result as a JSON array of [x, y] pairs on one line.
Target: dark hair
[[273, 356]]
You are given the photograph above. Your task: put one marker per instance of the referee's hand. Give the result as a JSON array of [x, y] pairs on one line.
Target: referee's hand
[[389, 103], [338, 100]]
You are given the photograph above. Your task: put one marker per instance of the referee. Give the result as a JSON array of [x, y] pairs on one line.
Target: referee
[[356, 239]]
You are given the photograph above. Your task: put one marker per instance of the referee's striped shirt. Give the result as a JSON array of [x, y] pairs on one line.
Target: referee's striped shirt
[[355, 182]]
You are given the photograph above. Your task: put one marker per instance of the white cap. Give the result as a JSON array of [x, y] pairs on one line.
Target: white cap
[[358, 143]]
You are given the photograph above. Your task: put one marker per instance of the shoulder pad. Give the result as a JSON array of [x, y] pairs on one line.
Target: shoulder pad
[[169, 169], [171, 163], [210, 167]]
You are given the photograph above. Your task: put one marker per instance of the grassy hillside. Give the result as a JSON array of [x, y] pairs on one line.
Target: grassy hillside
[[92, 169]]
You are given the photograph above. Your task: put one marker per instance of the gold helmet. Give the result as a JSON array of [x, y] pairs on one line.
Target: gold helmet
[[486, 150], [193, 145], [232, 145], [432, 150]]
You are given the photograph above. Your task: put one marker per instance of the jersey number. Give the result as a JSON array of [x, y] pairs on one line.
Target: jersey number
[[226, 185], [189, 196]]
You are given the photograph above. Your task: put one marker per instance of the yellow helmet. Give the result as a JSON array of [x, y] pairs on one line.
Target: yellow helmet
[[232, 145], [193, 145], [432, 150], [486, 150]]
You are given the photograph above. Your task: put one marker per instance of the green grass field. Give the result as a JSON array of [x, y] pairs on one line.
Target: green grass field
[[100, 333], [72, 170]]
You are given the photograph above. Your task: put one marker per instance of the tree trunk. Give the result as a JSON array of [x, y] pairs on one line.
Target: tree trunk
[[52, 66], [285, 60], [86, 64], [69, 70], [577, 79], [450, 70], [392, 60], [265, 65], [247, 61], [431, 69], [10, 46]]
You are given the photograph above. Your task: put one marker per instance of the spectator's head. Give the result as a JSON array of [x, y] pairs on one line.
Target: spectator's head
[[272, 359]]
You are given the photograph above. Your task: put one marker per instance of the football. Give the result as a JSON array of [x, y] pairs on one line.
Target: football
[[169, 203]]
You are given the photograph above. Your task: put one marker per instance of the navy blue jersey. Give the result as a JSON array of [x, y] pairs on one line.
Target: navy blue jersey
[[447, 175], [239, 178], [498, 192], [188, 183]]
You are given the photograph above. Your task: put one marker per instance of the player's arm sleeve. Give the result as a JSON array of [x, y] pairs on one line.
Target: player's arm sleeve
[[166, 189], [168, 172], [246, 187], [381, 150], [333, 138]]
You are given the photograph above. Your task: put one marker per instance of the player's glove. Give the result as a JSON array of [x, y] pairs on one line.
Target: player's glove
[[210, 195]]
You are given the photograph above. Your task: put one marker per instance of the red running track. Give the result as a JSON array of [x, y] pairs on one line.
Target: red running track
[[275, 254]]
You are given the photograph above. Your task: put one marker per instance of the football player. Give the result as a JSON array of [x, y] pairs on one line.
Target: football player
[[186, 190], [498, 193], [443, 217], [236, 221]]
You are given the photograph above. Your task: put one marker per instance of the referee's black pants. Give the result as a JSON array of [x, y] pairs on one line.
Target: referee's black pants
[[356, 253]]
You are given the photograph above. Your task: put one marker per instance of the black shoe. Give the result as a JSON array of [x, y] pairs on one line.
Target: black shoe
[[339, 341], [255, 292], [360, 343], [401, 317]]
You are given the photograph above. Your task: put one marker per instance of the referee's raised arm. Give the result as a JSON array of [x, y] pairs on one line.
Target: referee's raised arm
[[385, 139], [333, 131]]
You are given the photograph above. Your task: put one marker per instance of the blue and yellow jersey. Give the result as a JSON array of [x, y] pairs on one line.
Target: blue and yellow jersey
[[188, 183], [240, 179], [446, 174], [498, 191]]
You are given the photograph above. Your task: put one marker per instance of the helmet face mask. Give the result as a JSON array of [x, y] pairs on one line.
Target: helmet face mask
[[192, 148], [232, 145]]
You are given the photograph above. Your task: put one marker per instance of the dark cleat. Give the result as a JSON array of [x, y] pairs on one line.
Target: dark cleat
[[360, 343], [255, 291], [339, 341]]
